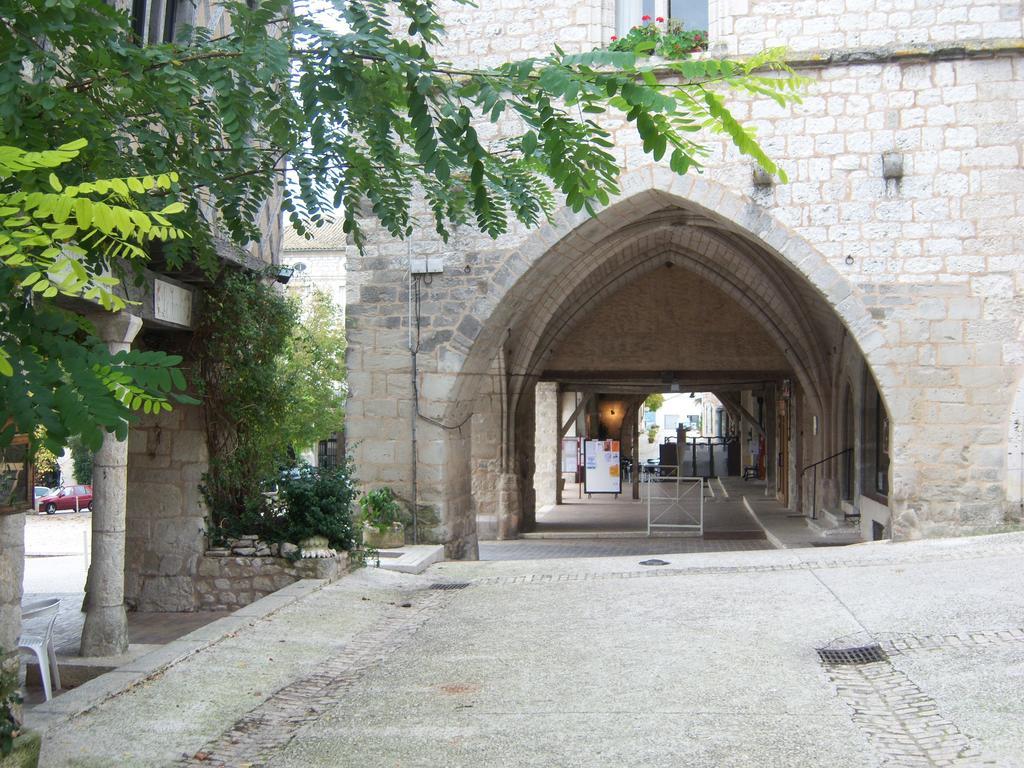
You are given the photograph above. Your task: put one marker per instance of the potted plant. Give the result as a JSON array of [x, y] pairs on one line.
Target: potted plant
[[382, 524], [658, 37], [19, 748]]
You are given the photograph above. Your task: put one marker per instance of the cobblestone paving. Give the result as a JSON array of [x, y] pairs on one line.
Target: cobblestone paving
[[253, 740], [796, 565], [541, 549], [906, 643], [901, 721]]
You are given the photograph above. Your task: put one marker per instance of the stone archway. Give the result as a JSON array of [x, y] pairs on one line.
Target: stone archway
[[781, 279]]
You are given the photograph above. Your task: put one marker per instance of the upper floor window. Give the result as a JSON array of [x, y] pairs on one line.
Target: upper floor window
[[160, 21], [692, 14], [628, 14]]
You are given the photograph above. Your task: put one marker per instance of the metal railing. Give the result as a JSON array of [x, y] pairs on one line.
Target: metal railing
[[814, 482], [673, 502]]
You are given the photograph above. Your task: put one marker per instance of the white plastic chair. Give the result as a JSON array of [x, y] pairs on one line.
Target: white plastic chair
[[42, 645]]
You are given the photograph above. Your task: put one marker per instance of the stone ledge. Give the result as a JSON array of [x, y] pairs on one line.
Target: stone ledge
[[229, 583]]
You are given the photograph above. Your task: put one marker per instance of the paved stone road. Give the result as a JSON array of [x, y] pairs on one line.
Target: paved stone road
[[708, 661], [540, 549]]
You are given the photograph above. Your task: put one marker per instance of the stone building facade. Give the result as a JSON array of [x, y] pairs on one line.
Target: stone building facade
[[874, 300]]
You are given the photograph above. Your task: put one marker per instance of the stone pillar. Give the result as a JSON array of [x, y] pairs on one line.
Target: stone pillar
[[509, 513], [12, 571], [106, 625], [545, 477]]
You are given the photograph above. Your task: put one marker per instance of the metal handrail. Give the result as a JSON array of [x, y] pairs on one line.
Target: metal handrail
[[827, 458], [814, 484]]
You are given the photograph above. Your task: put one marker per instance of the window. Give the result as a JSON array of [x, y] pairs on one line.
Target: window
[[160, 21], [881, 447], [847, 465], [628, 14], [875, 447], [692, 14], [327, 453]]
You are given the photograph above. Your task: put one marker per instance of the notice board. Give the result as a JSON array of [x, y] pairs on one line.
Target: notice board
[[601, 462]]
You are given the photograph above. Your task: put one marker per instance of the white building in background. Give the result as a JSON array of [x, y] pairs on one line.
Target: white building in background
[[697, 411], [319, 263]]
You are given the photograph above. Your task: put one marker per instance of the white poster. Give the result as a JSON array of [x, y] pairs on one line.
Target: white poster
[[569, 455], [602, 467]]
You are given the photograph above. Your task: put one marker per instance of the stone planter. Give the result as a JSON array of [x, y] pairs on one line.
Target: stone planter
[[315, 546], [25, 753], [392, 538]]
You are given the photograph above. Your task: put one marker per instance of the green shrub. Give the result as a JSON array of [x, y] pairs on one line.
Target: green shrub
[[315, 501], [81, 459]]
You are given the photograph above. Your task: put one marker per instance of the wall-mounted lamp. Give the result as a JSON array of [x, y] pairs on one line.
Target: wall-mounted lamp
[[284, 274]]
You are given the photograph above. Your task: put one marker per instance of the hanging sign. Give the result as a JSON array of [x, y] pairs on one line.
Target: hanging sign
[[601, 460]]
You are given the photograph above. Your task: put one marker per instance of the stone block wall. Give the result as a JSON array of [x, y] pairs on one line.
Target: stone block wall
[[166, 516], [748, 26], [228, 583], [487, 35]]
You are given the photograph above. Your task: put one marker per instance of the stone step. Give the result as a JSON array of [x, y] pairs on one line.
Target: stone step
[[412, 558], [831, 525]]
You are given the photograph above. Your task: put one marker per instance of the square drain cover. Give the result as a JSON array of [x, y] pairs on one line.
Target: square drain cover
[[862, 654], [450, 585]]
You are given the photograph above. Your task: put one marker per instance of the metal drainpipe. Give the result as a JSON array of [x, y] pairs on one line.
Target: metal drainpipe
[[413, 351], [415, 454]]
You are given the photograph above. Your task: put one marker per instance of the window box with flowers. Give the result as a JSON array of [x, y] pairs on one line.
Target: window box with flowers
[[658, 37]]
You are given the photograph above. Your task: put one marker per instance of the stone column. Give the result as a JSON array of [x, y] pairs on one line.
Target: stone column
[[106, 624], [508, 506], [546, 475], [12, 571]]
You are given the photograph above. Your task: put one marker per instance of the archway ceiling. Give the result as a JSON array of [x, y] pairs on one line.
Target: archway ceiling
[[597, 260]]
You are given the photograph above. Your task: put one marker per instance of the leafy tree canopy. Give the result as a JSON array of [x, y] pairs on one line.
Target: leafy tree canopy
[[654, 402], [57, 379], [363, 115], [367, 113]]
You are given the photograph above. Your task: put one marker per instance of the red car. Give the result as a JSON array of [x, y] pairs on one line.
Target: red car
[[76, 498]]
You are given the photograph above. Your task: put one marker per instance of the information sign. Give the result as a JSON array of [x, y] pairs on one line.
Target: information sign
[[601, 461]]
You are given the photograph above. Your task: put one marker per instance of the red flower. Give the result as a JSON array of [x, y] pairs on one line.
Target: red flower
[[645, 18], [697, 36], [614, 38], [659, 19]]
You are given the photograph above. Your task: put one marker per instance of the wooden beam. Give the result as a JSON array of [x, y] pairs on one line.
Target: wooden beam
[[734, 401], [579, 407]]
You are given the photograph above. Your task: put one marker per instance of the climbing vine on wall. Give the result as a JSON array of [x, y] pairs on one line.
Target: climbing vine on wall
[[259, 366]]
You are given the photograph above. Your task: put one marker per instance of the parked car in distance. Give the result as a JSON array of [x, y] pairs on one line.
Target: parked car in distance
[[40, 492], [75, 498]]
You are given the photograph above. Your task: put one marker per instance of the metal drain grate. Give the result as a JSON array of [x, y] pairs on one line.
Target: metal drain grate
[[450, 585], [862, 654], [653, 562]]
